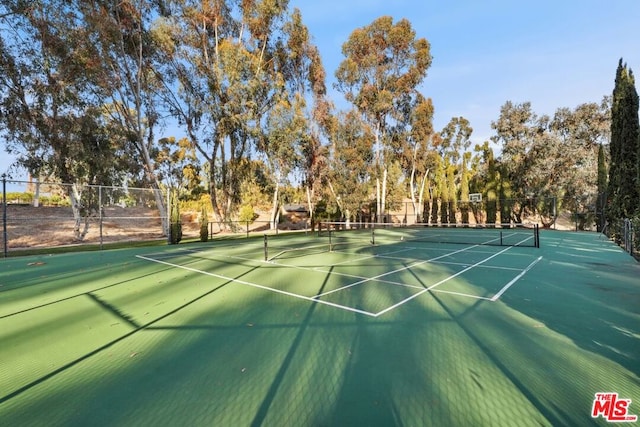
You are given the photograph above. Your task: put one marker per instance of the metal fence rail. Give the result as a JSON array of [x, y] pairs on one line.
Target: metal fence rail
[[626, 233], [40, 215]]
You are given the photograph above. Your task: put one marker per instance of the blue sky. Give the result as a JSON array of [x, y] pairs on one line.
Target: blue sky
[[554, 54], [551, 53]]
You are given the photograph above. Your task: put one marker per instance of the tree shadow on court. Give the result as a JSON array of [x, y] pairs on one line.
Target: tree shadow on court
[[136, 328], [537, 368], [236, 355], [594, 305]]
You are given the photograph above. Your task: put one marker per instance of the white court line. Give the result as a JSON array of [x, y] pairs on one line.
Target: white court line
[[266, 288], [515, 279], [441, 282], [395, 271], [312, 269], [365, 257], [461, 294], [491, 267]]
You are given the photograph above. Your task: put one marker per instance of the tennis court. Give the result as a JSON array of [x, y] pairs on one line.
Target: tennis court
[[308, 330]]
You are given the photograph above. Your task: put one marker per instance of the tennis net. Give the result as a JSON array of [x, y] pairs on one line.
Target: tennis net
[[390, 233]]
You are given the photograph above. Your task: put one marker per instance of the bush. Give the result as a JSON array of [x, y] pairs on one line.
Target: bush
[[246, 215]]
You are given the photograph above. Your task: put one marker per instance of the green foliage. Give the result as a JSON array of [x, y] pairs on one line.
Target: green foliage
[[384, 65], [19, 198], [623, 194], [177, 165], [602, 189], [246, 214]]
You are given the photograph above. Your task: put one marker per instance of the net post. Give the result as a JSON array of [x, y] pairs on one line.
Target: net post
[[373, 236], [537, 236], [501, 243], [266, 251]]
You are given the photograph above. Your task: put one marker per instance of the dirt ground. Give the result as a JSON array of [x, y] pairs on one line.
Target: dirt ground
[[45, 226]]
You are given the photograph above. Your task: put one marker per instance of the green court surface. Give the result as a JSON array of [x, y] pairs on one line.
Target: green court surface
[[397, 334]]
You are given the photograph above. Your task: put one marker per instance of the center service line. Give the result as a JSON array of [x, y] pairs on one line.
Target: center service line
[[441, 282]]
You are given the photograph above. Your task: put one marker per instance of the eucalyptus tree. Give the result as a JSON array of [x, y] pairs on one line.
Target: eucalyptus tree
[[384, 64], [350, 163], [285, 127], [293, 130], [579, 133], [232, 62], [178, 167], [307, 82], [129, 80], [417, 157], [550, 157], [50, 107]]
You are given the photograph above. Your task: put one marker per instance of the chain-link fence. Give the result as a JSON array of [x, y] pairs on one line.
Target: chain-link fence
[[626, 233], [38, 215], [43, 215]]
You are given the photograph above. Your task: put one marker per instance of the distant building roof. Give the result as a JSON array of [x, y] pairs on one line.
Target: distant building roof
[[295, 208]]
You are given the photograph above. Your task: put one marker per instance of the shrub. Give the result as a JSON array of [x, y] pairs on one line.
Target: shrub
[[247, 214]]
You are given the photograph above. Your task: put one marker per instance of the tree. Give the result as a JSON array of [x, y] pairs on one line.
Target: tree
[[128, 78], [549, 158], [602, 189], [384, 63], [49, 106], [623, 192], [464, 187], [350, 164], [416, 156], [455, 141], [292, 134], [230, 62], [579, 134], [177, 166], [285, 127]]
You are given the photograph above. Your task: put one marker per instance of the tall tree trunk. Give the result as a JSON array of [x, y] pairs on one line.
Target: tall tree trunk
[[215, 203], [421, 198], [378, 201], [310, 208], [36, 197], [80, 215], [274, 207], [383, 203]]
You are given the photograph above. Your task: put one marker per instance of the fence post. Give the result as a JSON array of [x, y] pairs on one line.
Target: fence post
[[100, 212], [4, 214]]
